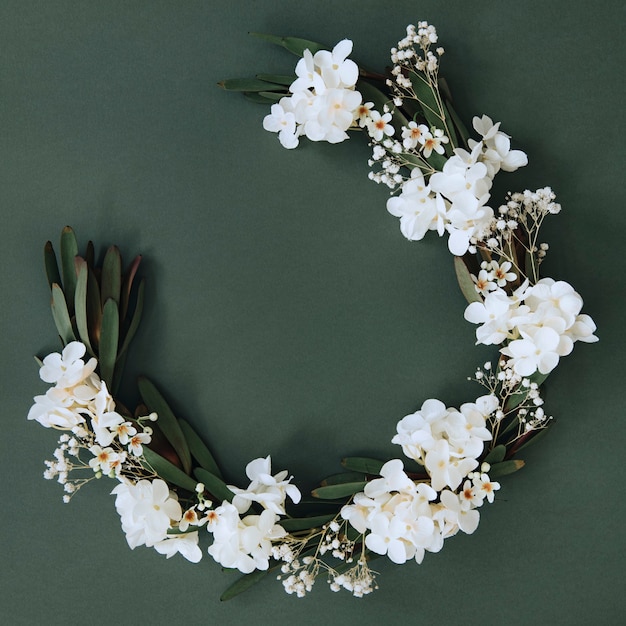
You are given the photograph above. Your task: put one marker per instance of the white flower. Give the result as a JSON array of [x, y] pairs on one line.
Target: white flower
[[269, 491], [378, 125], [186, 545], [413, 135], [445, 469], [468, 218], [52, 411], [146, 509], [137, 441], [282, 122], [104, 460], [434, 142], [501, 273], [494, 313], [537, 350], [67, 369], [308, 77], [335, 67], [243, 544]]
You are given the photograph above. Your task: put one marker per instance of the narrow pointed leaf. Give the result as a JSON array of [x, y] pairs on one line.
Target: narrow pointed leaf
[[249, 84], [332, 492], [271, 96], [118, 373], [69, 249], [464, 278], [506, 467], [61, 315], [214, 485], [304, 523], [111, 282], [243, 584], [109, 337], [167, 421], [80, 303], [168, 471], [94, 308], [362, 464], [90, 254], [343, 477], [52, 267], [295, 45], [277, 79], [134, 323], [542, 433], [496, 455], [127, 285], [458, 123], [198, 449], [258, 98]]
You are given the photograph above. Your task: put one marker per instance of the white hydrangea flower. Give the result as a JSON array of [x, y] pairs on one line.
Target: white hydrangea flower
[[269, 491], [146, 509], [186, 545], [68, 368]]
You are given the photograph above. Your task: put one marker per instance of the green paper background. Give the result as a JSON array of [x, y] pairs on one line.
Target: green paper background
[[285, 312]]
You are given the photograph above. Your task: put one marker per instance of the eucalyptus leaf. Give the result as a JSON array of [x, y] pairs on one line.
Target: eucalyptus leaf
[[168, 471], [111, 281], [343, 477], [214, 485], [249, 84], [295, 45], [333, 492], [80, 303], [61, 315], [109, 337], [362, 464], [69, 249], [198, 449], [464, 278], [166, 420], [496, 455], [278, 79], [52, 267], [305, 523], [505, 467], [243, 584]]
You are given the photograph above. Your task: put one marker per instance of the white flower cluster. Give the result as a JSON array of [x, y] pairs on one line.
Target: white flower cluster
[[245, 543], [324, 103], [81, 403], [403, 519], [540, 324], [455, 199], [148, 510]]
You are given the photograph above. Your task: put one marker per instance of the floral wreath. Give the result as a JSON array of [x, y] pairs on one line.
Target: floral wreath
[[169, 486]]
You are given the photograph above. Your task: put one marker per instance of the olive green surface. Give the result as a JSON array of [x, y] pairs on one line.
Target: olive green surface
[[286, 314]]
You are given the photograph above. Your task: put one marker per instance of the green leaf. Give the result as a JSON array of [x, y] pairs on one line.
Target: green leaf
[[362, 464], [94, 308], [134, 324], [167, 421], [295, 45], [109, 337], [214, 485], [249, 84], [69, 249], [343, 477], [80, 303], [304, 523], [198, 450], [496, 455], [458, 123], [540, 434], [61, 315], [506, 467], [168, 471], [90, 253], [111, 282], [52, 267], [258, 98], [464, 278], [127, 285], [332, 492], [243, 584], [271, 97], [278, 79]]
